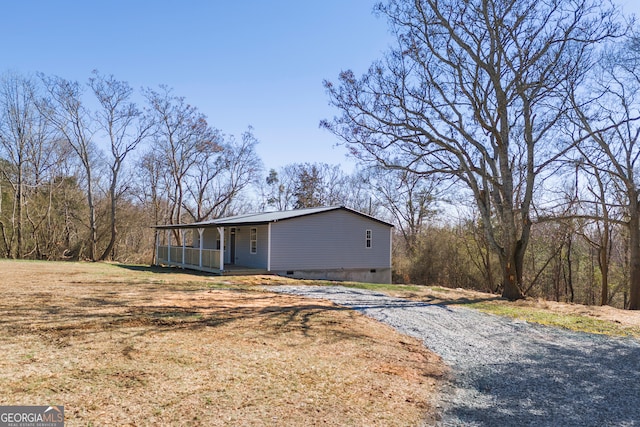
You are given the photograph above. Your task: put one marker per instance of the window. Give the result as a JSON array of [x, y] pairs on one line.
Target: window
[[253, 237], [368, 239]]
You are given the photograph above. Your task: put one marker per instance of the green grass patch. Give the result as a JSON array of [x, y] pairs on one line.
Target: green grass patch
[[567, 321]]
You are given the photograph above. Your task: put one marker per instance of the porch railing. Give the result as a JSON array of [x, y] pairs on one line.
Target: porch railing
[[210, 257]]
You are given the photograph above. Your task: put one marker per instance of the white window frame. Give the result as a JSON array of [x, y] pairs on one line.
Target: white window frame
[[253, 240], [368, 240]]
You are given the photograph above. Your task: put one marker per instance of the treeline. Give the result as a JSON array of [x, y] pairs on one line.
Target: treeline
[[565, 262], [85, 170]]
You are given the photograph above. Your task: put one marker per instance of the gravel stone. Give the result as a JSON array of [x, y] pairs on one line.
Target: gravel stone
[[509, 372]]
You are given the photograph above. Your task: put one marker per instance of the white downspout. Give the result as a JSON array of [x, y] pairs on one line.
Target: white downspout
[[390, 254], [269, 247], [390, 247]]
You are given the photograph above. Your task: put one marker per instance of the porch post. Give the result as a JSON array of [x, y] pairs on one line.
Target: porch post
[[221, 233], [156, 260], [168, 247], [201, 244], [184, 247]]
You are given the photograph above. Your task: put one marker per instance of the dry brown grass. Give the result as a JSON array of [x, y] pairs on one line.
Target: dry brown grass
[[122, 346]]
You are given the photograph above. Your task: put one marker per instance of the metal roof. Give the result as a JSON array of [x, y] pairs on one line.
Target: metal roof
[[264, 218]]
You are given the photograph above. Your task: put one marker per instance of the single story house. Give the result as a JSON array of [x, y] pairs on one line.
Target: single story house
[[328, 243]]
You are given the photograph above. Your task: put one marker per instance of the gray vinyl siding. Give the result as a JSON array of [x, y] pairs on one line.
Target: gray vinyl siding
[[244, 256], [243, 246], [209, 238], [330, 240]]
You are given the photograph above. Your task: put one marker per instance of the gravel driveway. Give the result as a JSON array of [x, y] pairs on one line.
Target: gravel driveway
[[509, 372]]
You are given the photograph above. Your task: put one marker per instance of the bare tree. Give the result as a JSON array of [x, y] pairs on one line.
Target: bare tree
[[220, 177], [597, 233], [64, 108], [24, 138], [607, 112], [183, 137], [122, 122], [16, 124], [472, 92], [150, 191], [361, 194], [410, 199], [7, 231], [478, 249]]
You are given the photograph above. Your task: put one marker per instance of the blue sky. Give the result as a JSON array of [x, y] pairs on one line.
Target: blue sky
[[242, 62]]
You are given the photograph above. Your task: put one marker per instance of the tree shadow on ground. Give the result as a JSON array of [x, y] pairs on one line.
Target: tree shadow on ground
[[596, 384], [163, 270], [460, 301], [155, 309]]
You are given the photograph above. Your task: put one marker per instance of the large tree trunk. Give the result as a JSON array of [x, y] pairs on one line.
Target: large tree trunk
[[515, 244], [512, 276], [114, 230], [114, 233]]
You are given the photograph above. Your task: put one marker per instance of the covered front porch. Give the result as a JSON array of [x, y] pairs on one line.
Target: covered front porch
[[210, 249], [184, 247]]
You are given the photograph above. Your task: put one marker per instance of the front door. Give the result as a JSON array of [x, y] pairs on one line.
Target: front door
[[232, 246]]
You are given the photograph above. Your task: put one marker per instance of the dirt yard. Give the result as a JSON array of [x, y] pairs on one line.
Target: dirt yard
[[132, 346]]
